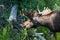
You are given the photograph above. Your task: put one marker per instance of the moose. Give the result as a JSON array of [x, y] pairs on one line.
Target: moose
[[49, 19]]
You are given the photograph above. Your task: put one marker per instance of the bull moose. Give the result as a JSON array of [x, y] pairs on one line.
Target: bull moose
[[48, 18]]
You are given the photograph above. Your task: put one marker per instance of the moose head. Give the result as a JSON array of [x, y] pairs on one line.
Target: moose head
[[37, 17], [48, 18]]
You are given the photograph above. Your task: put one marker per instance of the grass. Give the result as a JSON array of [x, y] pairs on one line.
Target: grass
[[58, 36]]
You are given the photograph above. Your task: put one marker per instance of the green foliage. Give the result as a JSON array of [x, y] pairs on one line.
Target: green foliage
[[32, 4]]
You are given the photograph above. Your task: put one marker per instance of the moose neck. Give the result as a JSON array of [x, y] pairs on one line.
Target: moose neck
[[46, 20]]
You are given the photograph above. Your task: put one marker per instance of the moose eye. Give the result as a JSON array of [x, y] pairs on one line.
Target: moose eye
[[40, 14]]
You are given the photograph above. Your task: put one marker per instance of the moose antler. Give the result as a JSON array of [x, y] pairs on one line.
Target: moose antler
[[39, 12], [46, 11]]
